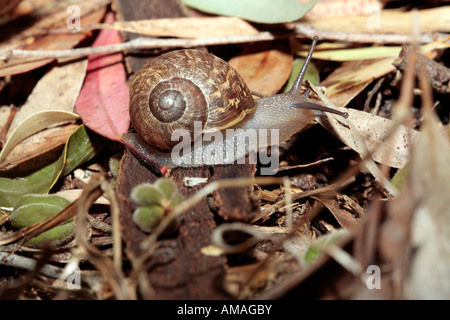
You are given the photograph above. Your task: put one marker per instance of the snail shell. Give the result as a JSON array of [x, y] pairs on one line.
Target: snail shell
[[180, 87]]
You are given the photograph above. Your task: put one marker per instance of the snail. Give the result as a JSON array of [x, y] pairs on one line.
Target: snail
[[191, 93]]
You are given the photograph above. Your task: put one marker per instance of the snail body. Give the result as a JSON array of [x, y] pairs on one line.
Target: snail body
[[201, 94]]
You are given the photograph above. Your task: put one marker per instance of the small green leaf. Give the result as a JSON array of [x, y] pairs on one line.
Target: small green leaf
[[401, 177], [34, 208], [146, 194], [262, 11], [82, 146], [56, 235], [30, 214], [314, 251], [312, 75], [167, 187], [326, 51], [147, 218], [176, 200], [42, 198], [311, 255]]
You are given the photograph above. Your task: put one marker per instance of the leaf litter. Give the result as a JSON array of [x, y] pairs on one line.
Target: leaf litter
[[303, 221]]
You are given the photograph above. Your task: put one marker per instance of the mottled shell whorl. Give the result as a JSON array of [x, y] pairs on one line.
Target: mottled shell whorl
[[179, 87]]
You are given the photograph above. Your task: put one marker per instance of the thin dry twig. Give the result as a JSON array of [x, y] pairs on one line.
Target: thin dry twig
[[143, 43]]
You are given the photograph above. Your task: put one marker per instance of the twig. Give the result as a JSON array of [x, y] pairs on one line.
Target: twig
[[310, 32], [139, 44], [143, 43], [17, 261]]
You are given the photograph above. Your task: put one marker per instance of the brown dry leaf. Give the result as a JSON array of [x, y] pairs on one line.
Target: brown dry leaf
[[430, 231], [265, 67], [344, 217], [58, 89], [7, 7], [365, 132], [347, 81], [41, 148], [192, 27], [31, 32], [23, 8], [237, 278], [387, 21]]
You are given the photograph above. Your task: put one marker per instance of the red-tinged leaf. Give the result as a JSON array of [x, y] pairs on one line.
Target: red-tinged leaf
[[103, 100]]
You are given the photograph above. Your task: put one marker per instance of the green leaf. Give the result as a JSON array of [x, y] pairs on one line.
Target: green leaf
[[147, 218], [315, 250], [33, 208], [312, 75], [42, 198], [401, 177], [167, 187], [146, 194], [262, 11], [334, 52], [82, 146], [56, 235]]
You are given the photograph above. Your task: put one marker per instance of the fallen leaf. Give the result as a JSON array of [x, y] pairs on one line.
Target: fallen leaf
[[7, 6], [387, 21], [328, 51], [192, 27], [312, 74], [33, 124], [265, 67], [31, 32], [385, 145], [38, 150], [81, 147], [347, 81], [104, 98], [343, 217], [57, 90]]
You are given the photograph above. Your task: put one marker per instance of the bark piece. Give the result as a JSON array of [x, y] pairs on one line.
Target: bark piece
[[178, 269], [438, 74]]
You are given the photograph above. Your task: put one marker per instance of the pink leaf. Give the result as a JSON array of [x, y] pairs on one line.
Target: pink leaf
[[103, 100]]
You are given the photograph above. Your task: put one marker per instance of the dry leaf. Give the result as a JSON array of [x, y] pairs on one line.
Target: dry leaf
[[31, 32], [387, 21], [192, 27], [58, 90], [38, 150], [344, 217], [265, 67], [347, 81], [375, 131]]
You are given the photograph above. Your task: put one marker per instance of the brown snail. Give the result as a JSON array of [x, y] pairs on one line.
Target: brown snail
[[183, 87]]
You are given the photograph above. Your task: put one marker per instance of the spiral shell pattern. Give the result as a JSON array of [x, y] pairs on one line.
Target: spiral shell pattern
[[180, 87]]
